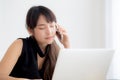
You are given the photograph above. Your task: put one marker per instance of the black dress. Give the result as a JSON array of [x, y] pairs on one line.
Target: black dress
[[26, 66]]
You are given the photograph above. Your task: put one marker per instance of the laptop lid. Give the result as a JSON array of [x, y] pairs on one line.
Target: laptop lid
[[82, 64]]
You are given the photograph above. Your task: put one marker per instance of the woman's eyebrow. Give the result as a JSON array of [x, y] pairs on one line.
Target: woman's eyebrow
[[41, 24]]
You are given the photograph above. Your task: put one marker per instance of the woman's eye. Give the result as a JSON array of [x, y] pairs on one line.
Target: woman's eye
[[41, 28]]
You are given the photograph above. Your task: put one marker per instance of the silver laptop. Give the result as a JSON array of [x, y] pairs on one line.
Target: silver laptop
[[82, 64]]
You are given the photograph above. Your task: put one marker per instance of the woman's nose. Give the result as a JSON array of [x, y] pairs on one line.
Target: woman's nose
[[49, 30]]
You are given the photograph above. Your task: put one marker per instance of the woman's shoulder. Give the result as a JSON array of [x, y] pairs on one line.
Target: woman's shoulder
[[21, 41], [15, 48], [16, 45], [18, 41]]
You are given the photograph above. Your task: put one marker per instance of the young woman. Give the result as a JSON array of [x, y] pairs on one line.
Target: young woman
[[34, 57]]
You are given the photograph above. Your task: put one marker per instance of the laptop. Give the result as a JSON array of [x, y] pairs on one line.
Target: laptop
[[82, 64]]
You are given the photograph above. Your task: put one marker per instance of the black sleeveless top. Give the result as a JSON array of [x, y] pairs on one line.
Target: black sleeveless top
[[27, 66]]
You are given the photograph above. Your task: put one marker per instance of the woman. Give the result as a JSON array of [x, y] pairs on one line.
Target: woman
[[34, 57]]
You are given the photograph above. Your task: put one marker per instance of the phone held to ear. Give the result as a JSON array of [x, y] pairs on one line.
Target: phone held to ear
[[58, 34]]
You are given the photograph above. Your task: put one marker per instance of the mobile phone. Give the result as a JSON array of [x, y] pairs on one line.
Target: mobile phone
[[58, 34]]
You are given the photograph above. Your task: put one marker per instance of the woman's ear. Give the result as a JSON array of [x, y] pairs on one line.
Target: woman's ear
[[30, 31]]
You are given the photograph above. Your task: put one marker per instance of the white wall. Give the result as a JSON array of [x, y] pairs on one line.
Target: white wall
[[83, 19], [113, 35], [116, 37]]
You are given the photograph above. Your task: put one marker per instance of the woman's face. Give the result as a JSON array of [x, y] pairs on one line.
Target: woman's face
[[44, 32]]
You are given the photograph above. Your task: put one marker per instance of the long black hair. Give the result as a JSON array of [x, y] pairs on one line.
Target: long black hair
[[31, 22]]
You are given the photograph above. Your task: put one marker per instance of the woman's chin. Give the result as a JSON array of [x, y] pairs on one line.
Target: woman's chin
[[50, 42]]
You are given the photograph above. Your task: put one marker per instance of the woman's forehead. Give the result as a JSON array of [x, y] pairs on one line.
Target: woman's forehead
[[42, 19]]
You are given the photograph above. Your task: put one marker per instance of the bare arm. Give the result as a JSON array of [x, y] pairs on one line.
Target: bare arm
[[9, 60]]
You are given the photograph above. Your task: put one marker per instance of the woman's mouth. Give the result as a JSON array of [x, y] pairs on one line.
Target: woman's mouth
[[51, 37]]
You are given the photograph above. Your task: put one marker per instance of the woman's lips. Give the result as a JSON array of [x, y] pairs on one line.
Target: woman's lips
[[51, 37]]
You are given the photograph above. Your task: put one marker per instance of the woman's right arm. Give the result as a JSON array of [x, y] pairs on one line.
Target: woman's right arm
[[9, 60]]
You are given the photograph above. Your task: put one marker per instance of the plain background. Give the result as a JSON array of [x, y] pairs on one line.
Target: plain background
[[88, 22]]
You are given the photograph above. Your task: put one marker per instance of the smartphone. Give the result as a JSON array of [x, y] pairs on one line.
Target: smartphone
[[58, 34]]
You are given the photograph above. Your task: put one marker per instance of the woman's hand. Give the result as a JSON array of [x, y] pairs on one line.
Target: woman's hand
[[62, 36]]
